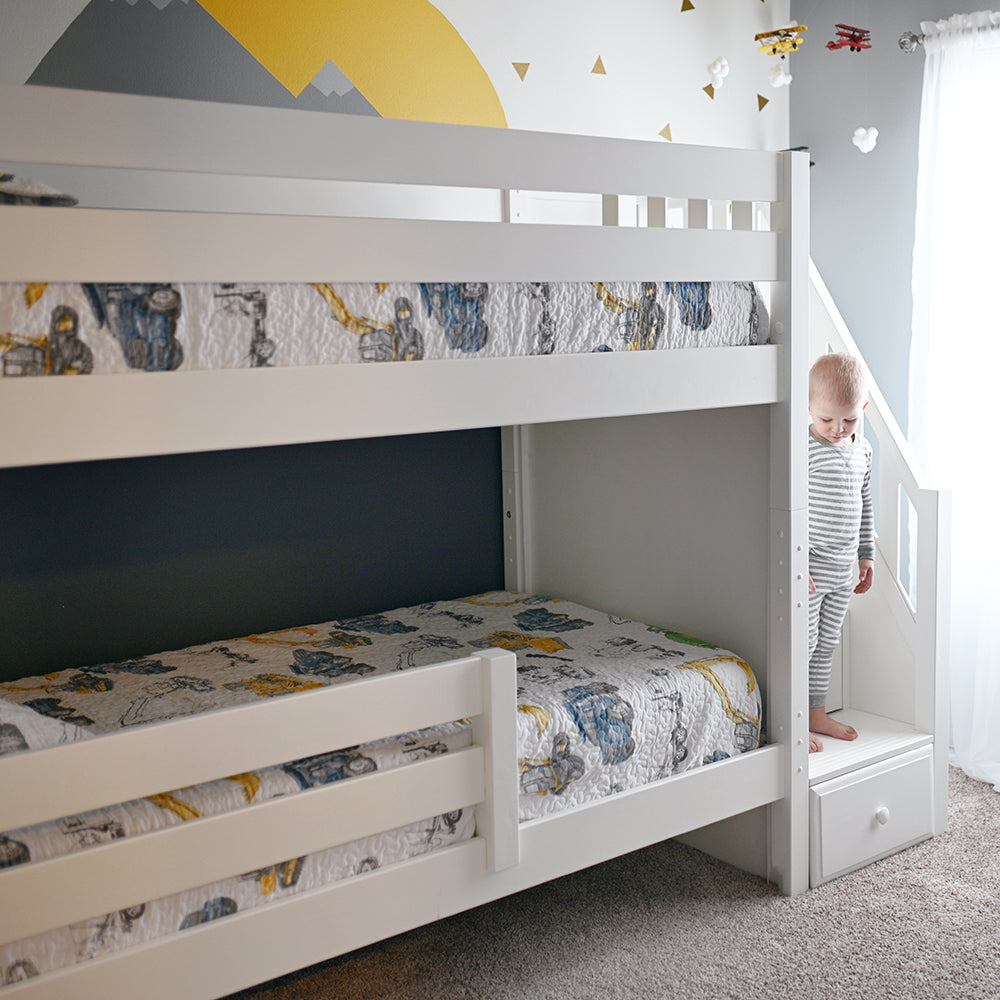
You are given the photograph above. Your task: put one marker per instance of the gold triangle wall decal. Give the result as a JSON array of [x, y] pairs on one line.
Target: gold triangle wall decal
[[762, 102], [599, 66], [665, 132], [521, 68], [710, 90]]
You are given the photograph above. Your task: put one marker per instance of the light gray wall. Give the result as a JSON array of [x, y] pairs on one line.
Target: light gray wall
[[863, 203]]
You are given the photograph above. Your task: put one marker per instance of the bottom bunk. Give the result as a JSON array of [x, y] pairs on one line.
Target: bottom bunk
[[570, 735]]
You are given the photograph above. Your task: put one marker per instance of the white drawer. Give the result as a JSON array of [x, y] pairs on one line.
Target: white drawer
[[869, 813]]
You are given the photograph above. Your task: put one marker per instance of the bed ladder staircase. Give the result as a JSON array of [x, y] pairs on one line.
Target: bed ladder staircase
[[891, 684]]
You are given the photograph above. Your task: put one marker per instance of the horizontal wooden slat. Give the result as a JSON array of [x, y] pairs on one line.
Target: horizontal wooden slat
[[127, 415], [640, 816], [358, 911], [56, 244], [75, 886], [266, 942], [45, 125], [46, 784]]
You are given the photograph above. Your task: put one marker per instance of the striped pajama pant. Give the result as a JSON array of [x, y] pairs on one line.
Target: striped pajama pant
[[827, 608]]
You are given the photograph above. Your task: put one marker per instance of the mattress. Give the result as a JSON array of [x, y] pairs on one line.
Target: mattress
[[604, 704], [56, 329]]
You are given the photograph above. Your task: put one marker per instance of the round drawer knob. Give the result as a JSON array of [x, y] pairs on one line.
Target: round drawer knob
[[882, 815]]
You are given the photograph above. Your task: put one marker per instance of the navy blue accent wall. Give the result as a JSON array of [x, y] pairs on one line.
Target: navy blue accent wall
[[104, 560]]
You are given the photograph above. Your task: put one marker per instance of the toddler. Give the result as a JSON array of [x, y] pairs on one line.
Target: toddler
[[841, 523]]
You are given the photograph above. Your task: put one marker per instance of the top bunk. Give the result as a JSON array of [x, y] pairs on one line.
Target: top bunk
[[240, 197]]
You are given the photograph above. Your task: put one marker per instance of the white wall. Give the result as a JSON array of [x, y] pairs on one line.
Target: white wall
[[655, 57]]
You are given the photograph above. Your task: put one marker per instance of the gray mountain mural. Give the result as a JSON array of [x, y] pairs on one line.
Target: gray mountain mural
[[175, 49]]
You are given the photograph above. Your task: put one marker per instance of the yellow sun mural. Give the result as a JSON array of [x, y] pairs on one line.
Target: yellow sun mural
[[403, 55]]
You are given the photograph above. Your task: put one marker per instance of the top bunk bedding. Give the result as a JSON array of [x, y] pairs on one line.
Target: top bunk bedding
[[79, 329], [322, 245]]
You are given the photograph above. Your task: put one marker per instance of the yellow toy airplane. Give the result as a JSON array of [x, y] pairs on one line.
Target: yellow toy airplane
[[780, 40]]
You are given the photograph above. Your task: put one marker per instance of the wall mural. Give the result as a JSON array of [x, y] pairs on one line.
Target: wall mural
[[405, 56], [562, 65]]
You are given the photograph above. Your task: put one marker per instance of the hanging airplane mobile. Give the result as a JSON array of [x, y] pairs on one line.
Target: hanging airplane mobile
[[780, 40], [854, 38]]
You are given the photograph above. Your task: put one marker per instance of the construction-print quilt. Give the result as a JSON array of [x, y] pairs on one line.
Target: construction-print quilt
[[604, 704], [57, 329], [108, 933]]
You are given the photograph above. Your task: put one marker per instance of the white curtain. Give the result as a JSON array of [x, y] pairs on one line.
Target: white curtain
[[955, 355]]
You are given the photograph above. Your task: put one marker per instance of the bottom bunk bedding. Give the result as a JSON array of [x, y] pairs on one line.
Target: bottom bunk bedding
[[604, 704], [107, 933]]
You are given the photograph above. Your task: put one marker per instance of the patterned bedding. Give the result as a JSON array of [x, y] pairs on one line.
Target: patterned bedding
[[56, 329], [604, 704], [107, 933]]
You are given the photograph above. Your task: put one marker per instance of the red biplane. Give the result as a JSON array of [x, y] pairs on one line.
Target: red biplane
[[850, 37]]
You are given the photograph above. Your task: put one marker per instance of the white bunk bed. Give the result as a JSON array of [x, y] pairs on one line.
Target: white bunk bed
[[722, 548]]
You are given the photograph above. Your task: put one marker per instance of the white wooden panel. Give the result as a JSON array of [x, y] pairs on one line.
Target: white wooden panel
[[57, 244], [496, 729], [878, 739], [882, 655], [46, 125], [75, 886], [516, 511], [610, 827], [931, 703], [869, 813], [46, 784], [790, 329], [155, 413], [788, 694], [183, 191], [660, 517], [788, 532], [741, 841]]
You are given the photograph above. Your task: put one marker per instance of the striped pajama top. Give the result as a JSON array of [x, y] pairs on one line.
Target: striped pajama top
[[841, 520]]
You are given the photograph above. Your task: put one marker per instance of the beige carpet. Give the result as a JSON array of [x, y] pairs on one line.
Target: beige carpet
[[668, 922]]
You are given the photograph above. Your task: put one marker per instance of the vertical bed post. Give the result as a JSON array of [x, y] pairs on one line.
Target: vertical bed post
[[495, 729], [517, 529], [787, 692], [931, 708]]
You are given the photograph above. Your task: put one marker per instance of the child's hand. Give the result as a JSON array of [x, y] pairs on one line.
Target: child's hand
[[867, 572], [812, 586]]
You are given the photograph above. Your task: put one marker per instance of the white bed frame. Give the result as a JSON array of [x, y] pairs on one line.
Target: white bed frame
[[593, 511]]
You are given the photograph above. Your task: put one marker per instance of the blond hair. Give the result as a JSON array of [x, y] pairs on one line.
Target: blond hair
[[840, 378]]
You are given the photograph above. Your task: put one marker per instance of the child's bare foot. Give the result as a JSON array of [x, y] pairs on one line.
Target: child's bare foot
[[820, 722], [815, 743]]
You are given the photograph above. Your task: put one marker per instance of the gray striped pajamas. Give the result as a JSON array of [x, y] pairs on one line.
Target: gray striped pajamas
[[841, 531]]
